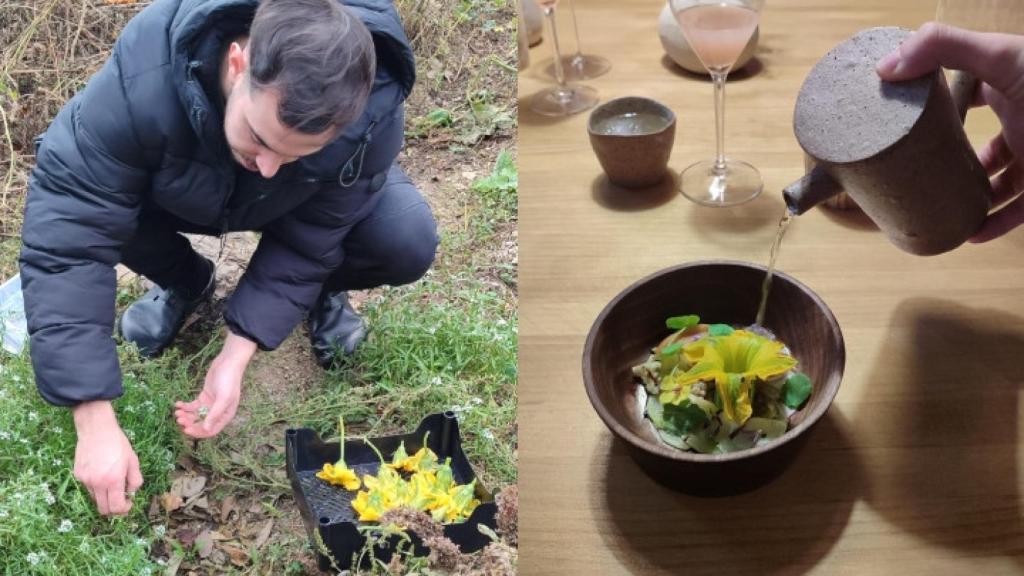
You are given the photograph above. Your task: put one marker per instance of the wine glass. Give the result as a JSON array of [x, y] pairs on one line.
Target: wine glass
[[564, 99], [718, 30], [582, 66]]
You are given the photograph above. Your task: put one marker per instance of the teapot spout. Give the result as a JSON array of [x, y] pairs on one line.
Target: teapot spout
[[813, 189]]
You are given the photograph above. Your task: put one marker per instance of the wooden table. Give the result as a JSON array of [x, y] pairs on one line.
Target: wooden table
[[915, 468]]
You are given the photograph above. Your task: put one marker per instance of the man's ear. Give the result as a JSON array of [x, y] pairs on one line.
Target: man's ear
[[238, 62]]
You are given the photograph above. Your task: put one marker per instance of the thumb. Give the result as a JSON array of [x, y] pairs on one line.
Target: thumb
[[134, 475], [222, 411]]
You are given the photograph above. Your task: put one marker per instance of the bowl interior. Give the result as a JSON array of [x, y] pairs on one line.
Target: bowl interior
[[630, 116], [719, 292]]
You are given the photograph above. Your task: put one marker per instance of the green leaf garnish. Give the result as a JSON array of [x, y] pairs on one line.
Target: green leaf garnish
[[682, 418], [720, 330], [796, 390], [672, 349], [682, 322]]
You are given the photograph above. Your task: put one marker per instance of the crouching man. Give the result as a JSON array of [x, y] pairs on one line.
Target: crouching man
[[282, 116]]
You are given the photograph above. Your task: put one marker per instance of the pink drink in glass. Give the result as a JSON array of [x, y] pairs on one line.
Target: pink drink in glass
[[718, 33]]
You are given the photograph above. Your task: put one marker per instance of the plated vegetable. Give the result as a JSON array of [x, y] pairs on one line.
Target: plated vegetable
[[714, 388]]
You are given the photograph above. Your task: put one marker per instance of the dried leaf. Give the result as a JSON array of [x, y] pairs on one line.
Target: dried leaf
[[238, 556], [186, 536], [200, 502], [218, 536], [192, 486], [171, 501], [219, 558], [227, 506], [204, 544], [173, 563], [154, 508], [264, 534]]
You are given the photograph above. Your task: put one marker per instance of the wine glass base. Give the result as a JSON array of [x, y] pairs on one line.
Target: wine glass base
[[566, 101], [739, 182], [582, 66]]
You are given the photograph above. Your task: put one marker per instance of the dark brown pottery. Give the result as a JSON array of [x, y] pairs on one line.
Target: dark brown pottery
[[633, 155], [719, 292]]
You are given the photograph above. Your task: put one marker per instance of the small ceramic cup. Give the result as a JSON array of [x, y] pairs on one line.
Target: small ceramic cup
[[633, 137]]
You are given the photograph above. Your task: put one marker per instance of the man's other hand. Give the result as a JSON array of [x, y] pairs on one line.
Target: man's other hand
[[104, 459]]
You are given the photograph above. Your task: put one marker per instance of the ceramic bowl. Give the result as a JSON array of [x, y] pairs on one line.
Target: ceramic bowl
[[719, 292]]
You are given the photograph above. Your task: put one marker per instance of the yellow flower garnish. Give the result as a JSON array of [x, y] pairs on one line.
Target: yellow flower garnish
[[733, 362], [339, 473], [431, 488]]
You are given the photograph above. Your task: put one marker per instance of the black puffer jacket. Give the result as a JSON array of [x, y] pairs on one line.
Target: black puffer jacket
[[143, 135]]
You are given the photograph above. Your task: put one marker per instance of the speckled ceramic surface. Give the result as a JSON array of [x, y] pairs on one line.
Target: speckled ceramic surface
[[632, 138], [898, 149]]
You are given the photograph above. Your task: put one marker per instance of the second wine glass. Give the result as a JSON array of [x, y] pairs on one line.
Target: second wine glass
[[564, 99], [718, 30]]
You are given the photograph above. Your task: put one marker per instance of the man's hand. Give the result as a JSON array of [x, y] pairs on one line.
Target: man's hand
[[215, 407], [104, 460], [997, 61]]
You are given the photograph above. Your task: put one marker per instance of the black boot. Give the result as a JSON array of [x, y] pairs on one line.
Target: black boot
[[152, 322], [334, 328]]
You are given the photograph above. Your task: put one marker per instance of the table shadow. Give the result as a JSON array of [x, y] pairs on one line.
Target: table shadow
[[729, 224], [783, 528], [530, 118], [753, 68], [951, 476], [620, 199]]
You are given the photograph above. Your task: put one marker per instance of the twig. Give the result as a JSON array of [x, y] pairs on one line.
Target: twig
[[13, 160], [81, 21]]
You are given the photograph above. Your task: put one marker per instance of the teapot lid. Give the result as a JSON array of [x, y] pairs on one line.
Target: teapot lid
[[845, 112]]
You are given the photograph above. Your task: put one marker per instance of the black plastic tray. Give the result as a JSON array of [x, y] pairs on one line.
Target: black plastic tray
[[328, 509]]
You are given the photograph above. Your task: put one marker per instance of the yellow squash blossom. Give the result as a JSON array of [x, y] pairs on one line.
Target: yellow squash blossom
[[432, 490], [733, 362], [339, 473]]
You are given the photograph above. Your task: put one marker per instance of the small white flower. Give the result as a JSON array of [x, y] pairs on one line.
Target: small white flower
[[141, 542], [3, 514], [23, 440], [436, 381], [50, 499], [57, 462], [5, 435], [84, 547], [16, 378], [45, 486], [58, 430], [162, 562], [487, 434], [33, 558], [160, 530], [33, 416], [65, 526]]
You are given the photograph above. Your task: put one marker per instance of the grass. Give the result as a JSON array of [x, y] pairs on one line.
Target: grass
[[48, 523]]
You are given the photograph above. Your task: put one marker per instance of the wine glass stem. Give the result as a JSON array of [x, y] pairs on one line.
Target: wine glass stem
[[549, 11], [719, 80], [576, 27]]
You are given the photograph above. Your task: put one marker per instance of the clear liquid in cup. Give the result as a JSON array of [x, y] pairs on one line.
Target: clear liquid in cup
[[718, 33]]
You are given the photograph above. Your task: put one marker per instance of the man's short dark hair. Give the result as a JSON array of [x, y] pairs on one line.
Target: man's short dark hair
[[318, 56]]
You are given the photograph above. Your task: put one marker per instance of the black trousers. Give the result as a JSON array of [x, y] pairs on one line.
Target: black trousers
[[393, 245]]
